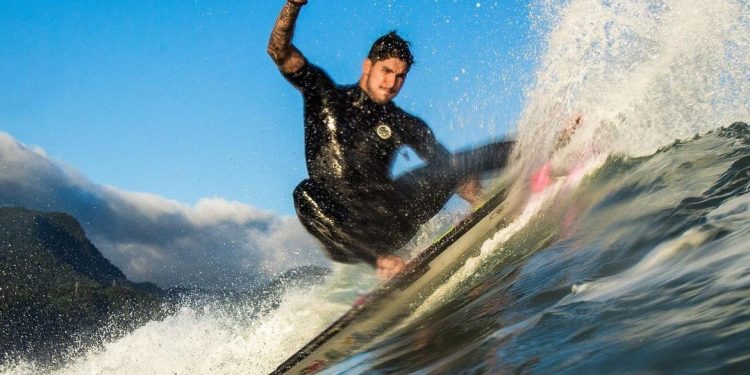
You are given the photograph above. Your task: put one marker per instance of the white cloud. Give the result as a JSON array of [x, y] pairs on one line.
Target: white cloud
[[216, 243]]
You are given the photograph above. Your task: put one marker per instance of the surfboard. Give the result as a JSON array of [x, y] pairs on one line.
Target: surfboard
[[395, 299]]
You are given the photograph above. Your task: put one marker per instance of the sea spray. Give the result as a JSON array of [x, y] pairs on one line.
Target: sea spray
[[642, 73], [211, 335]]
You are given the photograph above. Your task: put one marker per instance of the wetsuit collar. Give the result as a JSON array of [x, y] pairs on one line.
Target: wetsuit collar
[[362, 100]]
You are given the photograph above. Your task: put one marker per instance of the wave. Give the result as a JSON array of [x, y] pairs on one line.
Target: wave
[[642, 260]]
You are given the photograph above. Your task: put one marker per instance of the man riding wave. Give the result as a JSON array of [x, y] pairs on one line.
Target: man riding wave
[[353, 133]]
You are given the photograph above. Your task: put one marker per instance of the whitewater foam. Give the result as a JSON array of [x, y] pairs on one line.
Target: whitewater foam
[[218, 338], [642, 73]]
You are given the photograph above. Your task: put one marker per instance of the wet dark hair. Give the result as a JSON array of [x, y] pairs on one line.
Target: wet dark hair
[[389, 46]]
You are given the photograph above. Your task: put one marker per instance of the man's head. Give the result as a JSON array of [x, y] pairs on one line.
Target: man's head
[[385, 68]]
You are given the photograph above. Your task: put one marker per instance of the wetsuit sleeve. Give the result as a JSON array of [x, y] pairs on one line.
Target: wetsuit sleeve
[[421, 139], [310, 79]]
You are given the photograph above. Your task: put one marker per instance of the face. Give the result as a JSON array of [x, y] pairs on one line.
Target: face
[[382, 80]]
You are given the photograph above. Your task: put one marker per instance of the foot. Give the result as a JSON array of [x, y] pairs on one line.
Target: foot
[[471, 191], [388, 265]]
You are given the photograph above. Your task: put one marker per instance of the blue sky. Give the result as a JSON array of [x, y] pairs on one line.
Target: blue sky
[[179, 98]]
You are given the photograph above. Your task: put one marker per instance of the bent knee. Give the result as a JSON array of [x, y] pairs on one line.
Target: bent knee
[[305, 195]]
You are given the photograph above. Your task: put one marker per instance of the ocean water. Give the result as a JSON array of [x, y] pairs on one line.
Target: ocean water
[[634, 260], [644, 268]]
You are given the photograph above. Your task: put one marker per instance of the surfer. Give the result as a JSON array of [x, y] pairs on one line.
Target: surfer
[[353, 133]]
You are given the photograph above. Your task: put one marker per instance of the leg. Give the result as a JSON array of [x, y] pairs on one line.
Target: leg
[[426, 190], [325, 219], [487, 158]]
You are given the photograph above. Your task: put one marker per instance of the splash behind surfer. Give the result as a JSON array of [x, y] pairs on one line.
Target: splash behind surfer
[[353, 133]]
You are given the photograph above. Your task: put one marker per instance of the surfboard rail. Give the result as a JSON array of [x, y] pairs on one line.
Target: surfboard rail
[[313, 357]]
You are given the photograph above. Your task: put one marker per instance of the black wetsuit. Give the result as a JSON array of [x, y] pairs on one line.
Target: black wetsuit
[[350, 201]]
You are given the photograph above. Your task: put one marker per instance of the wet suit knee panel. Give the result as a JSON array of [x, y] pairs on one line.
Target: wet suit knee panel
[[490, 157], [325, 219], [312, 200]]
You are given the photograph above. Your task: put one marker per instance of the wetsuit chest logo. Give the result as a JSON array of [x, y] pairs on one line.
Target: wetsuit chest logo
[[384, 131]]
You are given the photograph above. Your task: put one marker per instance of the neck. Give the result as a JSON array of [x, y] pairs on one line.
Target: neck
[[363, 86]]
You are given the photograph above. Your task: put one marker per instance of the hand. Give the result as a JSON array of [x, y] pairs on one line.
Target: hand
[[388, 265], [573, 123]]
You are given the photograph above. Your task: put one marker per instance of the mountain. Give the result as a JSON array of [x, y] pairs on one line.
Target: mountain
[[58, 293]]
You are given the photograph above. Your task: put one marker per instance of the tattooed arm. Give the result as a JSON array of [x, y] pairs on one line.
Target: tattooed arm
[[286, 56]]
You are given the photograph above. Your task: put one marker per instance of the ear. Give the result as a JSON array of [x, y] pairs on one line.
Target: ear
[[366, 66]]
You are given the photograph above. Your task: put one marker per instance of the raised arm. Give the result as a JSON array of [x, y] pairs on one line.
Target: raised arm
[[286, 56]]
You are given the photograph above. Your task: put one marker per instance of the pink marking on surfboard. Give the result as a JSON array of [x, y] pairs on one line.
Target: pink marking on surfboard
[[541, 178]]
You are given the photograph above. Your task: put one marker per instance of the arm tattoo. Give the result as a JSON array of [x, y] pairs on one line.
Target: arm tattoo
[[280, 47]]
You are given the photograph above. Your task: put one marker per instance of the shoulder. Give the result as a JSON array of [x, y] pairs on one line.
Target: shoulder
[[408, 120], [414, 126], [309, 77]]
